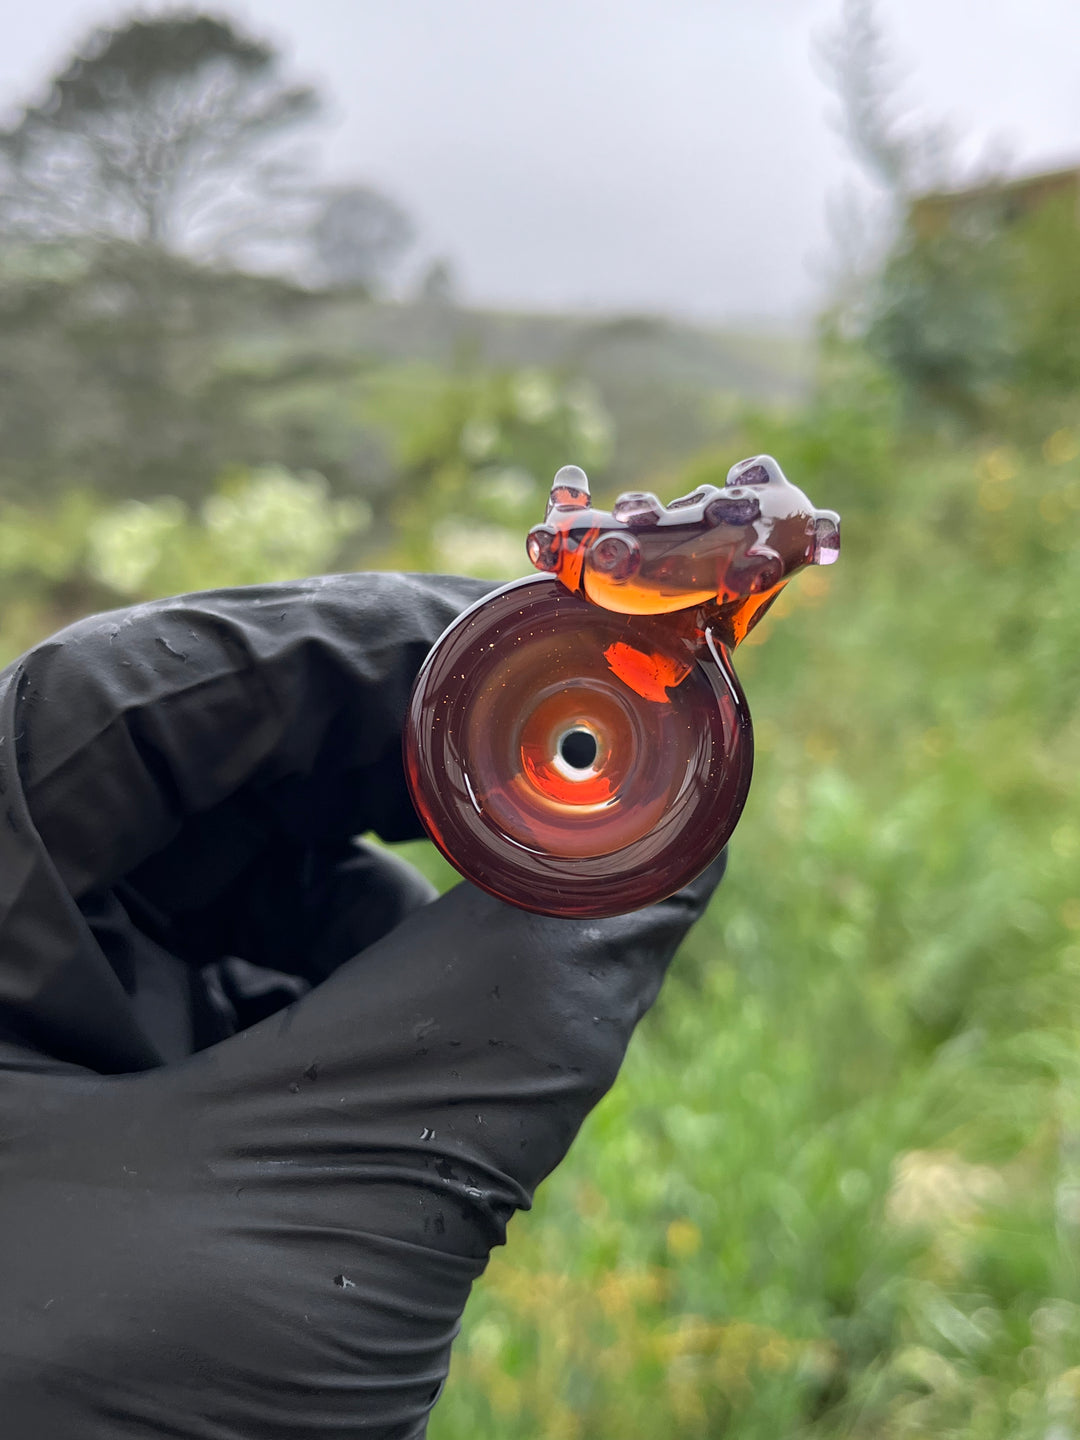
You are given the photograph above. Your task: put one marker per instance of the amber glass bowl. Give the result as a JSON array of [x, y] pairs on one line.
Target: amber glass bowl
[[573, 760]]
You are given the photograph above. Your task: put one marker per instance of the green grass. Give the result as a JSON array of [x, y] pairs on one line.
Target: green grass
[[835, 1192]]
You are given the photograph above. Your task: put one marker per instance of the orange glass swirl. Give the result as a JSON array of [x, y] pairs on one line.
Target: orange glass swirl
[[578, 744]]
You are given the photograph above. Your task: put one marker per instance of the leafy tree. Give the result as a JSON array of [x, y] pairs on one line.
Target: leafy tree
[[358, 236], [944, 321], [438, 284], [935, 304], [1046, 298], [126, 360], [166, 132], [474, 450], [900, 154], [139, 373]]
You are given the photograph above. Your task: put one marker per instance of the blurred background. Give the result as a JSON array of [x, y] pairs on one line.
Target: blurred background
[[334, 285]]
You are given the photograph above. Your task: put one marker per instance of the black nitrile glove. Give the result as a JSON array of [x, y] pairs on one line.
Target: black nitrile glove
[[268, 1233]]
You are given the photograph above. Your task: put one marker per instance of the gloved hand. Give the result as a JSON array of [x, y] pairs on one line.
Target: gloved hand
[[268, 1234]]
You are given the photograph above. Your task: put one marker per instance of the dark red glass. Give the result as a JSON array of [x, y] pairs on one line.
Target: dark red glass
[[578, 743]]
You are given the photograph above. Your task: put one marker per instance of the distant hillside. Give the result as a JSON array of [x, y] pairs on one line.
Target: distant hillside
[[660, 379], [140, 374], [602, 345]]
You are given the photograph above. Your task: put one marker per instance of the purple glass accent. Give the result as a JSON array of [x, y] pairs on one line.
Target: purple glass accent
[[578, 744], [749, 472], [734, 508], [826, 538], [685, 502], [637, 508]]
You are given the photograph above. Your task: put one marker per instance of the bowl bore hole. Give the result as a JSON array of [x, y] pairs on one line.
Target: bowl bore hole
[[578, 749]]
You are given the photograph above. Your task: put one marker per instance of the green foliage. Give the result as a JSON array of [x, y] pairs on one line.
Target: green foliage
[[970, 296], [979, 320], [834, 1193], [358, 235], [135, 357], [259, 526], [846, 443], [943, 322], [1046, 300], [85, 553], [137, 373], [474, 452]]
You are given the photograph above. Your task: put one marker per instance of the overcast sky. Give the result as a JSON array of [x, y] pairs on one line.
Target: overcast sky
[[624, 154]]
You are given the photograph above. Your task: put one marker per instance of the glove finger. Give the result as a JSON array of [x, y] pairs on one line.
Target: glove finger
[[365, 896], [461, 1052], [196, 731], [342, 1210], [307, 913], [132, 724]]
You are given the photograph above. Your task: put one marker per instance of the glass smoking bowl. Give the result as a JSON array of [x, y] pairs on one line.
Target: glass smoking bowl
[[577, 743]]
